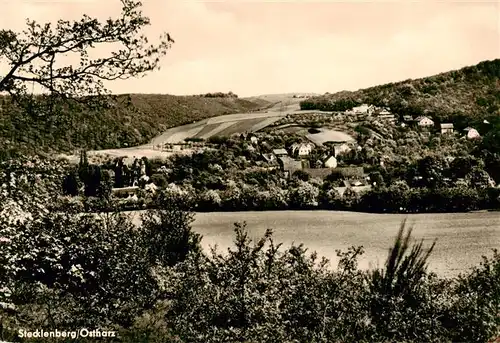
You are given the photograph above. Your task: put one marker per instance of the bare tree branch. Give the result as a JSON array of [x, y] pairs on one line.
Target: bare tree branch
[[32, 54]]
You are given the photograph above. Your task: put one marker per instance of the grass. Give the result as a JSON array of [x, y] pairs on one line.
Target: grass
[[470, 92], [241, 126]]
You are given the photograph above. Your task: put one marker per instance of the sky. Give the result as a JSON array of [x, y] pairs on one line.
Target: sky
[[269, 47]]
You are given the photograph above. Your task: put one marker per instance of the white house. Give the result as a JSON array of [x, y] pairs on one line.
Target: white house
[[363, 109], [302, 149], [424, 121], [254, 140], [446, 128], [384, 112], [472, 133], [331, 162]]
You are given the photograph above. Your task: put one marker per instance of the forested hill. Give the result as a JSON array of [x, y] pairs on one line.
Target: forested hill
[[132, 120], [472, 91]]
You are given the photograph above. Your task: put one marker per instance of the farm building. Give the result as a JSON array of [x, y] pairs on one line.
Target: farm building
[[424, 121], [302, 149], [289, 164], [269, 158], [446, 128]]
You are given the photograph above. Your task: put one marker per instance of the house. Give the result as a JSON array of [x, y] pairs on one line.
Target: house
[[340, 149], [269, 158], [302, 149], [331, 162], [424, 121], [446, 128], [254, 140], [363, 109], [391, 118], [124, 191], [288, 165], [407, 118], [266, 146], [472, 133], [384, 112], [280, 152]]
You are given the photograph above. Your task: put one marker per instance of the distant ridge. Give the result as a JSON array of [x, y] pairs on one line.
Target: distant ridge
[[133, 120], [472, 91]]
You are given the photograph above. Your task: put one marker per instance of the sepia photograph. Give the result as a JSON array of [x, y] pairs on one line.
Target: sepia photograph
[[252, 171]]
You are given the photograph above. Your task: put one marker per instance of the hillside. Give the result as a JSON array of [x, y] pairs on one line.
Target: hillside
[[132, 120], [470, 92]]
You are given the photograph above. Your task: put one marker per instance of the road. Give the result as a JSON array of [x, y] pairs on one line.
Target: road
[[212, 125]]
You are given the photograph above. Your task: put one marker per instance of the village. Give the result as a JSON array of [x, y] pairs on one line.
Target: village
[[313, 144]]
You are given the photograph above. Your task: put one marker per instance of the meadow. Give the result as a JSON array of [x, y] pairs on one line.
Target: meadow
[[462, 238]]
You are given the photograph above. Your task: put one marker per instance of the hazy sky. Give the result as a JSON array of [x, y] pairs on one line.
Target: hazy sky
[[260, 47]]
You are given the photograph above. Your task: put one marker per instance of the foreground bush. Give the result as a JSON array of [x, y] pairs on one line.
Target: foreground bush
[[257, 293], [153, 282]]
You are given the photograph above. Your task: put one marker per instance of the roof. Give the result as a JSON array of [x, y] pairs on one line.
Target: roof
[[280, 152], [290, 164], [447, 126], [422, 118], [330, 159]]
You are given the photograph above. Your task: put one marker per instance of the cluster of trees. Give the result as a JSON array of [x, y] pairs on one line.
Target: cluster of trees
[[219, 95], [97, 180], [69, 270], [304, 195], [232, 178], [445, 96], [63, 267], [323, 103]]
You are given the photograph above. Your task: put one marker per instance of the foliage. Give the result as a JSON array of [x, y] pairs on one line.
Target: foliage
[[166, 231], [32, 54], [130, 120], [398, 290], [154, 283], [445, 96], [257, 292]]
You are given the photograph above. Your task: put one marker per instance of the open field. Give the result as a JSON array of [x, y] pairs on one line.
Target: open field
[[329, 136], [462, 238], [228, 124]]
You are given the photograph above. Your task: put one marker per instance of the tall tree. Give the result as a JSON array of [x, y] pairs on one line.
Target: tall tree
[[32, 56]]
